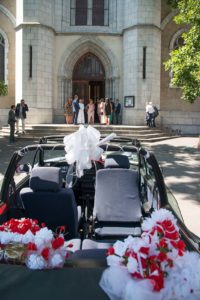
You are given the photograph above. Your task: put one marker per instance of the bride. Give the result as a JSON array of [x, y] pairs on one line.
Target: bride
[[81, 115]]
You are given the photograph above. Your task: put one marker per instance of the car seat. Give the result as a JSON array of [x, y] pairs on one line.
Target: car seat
[[46, 201], [117, 205]]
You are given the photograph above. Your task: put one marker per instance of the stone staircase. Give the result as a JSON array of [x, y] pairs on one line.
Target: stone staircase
[[142, 133]]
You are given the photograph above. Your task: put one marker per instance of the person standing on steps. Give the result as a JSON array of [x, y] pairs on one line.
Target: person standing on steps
[[150, 115], [117, 111], [108, 110], [11, 122], [76, 108], [20, 113], [68, 107]]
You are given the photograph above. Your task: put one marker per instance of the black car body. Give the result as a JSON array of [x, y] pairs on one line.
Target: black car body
[[81, 274]]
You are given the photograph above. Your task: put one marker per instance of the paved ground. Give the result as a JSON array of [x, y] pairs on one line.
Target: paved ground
[[179, 159], [180, 162]]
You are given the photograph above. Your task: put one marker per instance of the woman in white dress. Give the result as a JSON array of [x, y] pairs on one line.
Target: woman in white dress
[[102, 112], [81, 115]]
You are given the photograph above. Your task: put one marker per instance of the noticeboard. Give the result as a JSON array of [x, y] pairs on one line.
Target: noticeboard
[[129, 101]]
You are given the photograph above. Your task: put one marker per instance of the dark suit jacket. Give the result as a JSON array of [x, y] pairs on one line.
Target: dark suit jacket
[[11, 117], [24, 110]]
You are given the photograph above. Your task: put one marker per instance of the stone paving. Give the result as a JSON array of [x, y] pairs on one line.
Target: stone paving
[[179, 159]]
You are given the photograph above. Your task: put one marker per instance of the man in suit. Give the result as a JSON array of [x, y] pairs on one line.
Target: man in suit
[[76, 108], [20, 113], [117, 111], [11, 122]]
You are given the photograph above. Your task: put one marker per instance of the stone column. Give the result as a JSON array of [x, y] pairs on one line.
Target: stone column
[[89, 13], [142, 30]]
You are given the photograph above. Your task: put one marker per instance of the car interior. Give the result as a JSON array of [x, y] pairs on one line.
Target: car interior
[[108, 203]]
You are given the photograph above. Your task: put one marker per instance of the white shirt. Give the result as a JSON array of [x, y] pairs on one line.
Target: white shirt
[[150, 109]]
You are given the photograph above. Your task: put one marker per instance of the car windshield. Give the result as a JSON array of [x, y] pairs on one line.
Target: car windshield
[[53, 155]]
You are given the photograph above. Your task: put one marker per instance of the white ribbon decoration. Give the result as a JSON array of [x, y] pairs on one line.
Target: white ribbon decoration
[[82, 147]]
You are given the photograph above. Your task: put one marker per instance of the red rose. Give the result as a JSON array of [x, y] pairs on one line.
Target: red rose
[[162, 256], [172, 235], [45, 253], [32, 247], [180, 246], [170, 262], [110, 251], [162, 243], [58, 242], [157, 281], [168, 225], [62, 229]]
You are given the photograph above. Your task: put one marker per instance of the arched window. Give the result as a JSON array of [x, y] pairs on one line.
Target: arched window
[[179, 42], [89, 77], [176, 42], [89, 12], [2, 58], [89, 67]]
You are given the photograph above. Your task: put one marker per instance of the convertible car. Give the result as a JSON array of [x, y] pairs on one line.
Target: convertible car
[[107, 203]]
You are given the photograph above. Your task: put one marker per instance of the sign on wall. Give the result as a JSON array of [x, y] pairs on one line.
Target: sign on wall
[[129, 101]]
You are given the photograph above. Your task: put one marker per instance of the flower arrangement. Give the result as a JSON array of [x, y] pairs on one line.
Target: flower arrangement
[[150, 266], [26, 242]]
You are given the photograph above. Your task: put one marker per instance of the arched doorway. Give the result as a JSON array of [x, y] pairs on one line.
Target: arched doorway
[[88, 79]]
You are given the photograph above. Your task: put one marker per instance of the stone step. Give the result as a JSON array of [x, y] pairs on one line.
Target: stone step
[[142, 133]]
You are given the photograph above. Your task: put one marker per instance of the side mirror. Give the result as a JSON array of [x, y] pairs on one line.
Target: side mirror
[[24, 168]]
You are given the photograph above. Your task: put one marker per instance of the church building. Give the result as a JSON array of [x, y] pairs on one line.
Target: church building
[[53, 49]]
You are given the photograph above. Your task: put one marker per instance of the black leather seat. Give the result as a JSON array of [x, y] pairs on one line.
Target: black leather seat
[[117, 206], [46, 201]]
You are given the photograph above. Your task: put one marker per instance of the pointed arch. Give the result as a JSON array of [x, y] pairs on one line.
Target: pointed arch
[[5, 54], [82, 46], [8, 14], [168, 18]]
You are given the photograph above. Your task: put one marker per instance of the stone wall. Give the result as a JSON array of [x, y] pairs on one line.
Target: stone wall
[[7, 24], [142, 31], [175, 113], [57, 46]]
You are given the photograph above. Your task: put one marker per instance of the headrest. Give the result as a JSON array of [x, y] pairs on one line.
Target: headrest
[[45, 179], [117, 161]]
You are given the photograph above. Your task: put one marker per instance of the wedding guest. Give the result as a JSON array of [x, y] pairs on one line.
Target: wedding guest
[[102, 111], [11, 122], [112, 111], [75, 109], [117, 111], [68, 107], [99, 109], [108, 110], [150, 114], [90, 111], [20, 113]]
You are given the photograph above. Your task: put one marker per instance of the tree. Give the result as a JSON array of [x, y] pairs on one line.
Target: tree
[[3, 88], [184, 62]]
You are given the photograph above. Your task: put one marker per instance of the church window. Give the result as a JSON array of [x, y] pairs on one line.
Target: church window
[[81, 12], [179, 42], [89, 66], [176, 42], [2, 58], [90, 12]]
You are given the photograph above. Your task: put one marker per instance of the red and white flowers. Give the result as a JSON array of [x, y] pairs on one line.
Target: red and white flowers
[[150, 264], [43, 250]]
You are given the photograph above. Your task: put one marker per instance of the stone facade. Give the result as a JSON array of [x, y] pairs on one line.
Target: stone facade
[[132, 49]]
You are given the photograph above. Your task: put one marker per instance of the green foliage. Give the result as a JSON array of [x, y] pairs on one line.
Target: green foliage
[[185, 61], [3, 89]]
